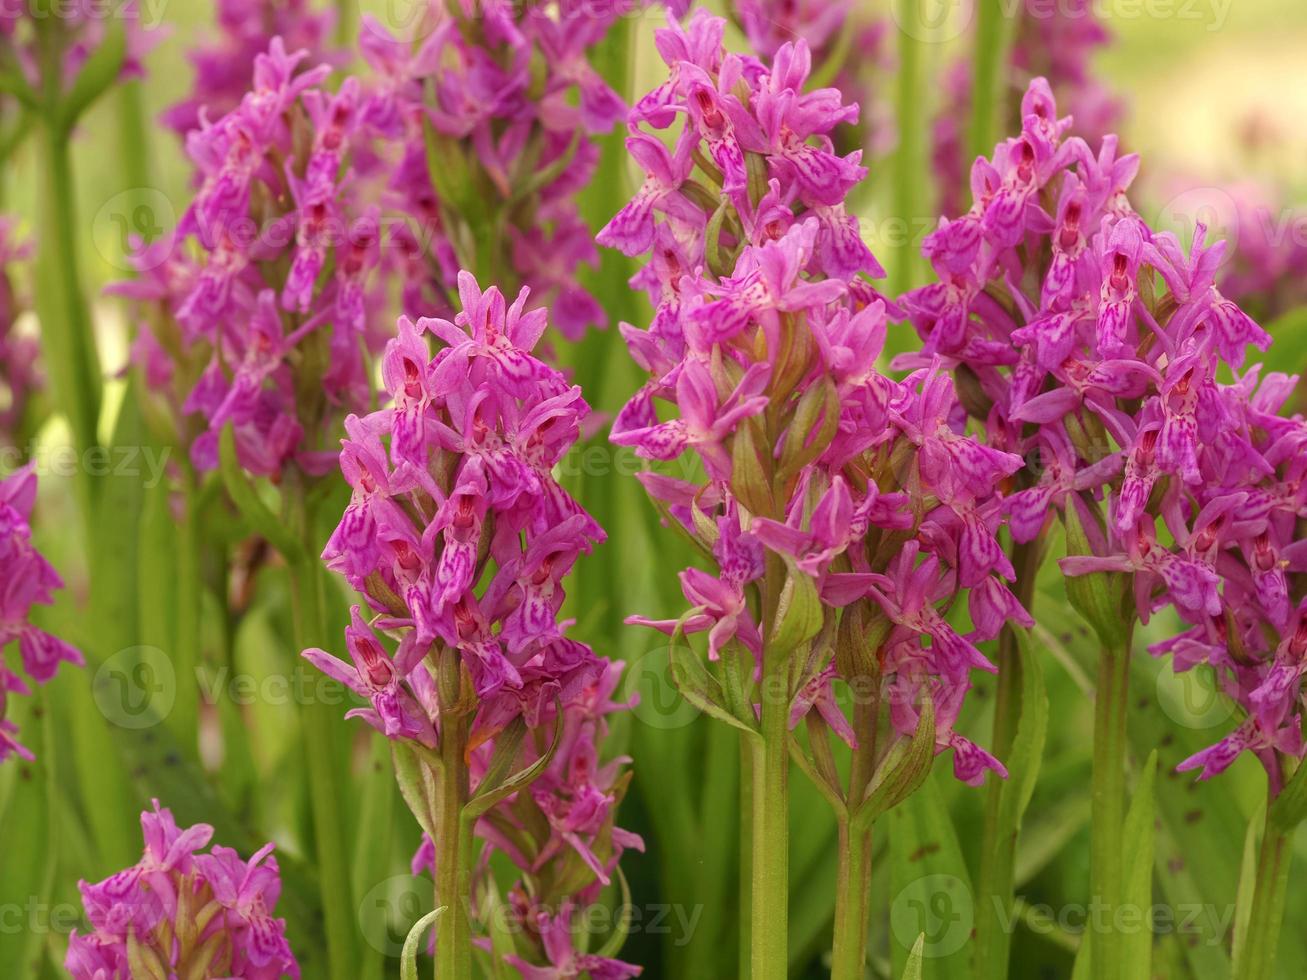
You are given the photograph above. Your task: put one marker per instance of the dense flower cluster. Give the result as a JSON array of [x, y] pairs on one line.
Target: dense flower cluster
[[259, 307], [224, 66], [460, 538], [764, 343], [1056, 42], [26, 579], [496, 106], [847, 46], [20, 373], [1093, 346], [180, 913]]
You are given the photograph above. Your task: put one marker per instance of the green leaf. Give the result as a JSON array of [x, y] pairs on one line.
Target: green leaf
[[799, 612], [1290, 807], [820, 408], [408, 959], [614, 943], [819, 772], [749, 480], [901, 773], [1137, 938], [99, 72], [1027, 753], [930, 885], [1099, 596], [507, 745], [497, 918], [490, 793], [30, 836], [701, 688], [372, 842], [1243, 904], [1083, 967], [415, 784], [1191, 816], [712, 241], [993, 939], [912, 969]]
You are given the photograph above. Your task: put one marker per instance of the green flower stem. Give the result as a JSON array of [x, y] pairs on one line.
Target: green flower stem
[[1257, 953], [454, 839], [998, 850], [326, 783], [853, 879], [66, 332], [769, 874], [909, 166], [133, 136], [189, 588], [853, 875], [69, 351], [1107, 812], [746, 859], [989, 85]]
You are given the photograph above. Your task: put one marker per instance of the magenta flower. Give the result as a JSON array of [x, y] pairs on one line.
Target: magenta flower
[[20, 372], [565, 963], [236, 293], [224, 67], [1057, 43], [178, 910], [765, 329], [26, 580], [1109, 374], [518, 103], [460, 538]]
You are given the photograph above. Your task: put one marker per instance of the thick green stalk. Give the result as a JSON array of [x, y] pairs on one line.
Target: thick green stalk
[[326, 784], [1106, 872], [133, 136], [1257, 953], [769, 872], [66, 332], [989, 83], [853, 879], [769, 923], [69, 350], [998, 854], [909, 204], [453, 843], [746, 859], [853, 874], [186, 658]]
